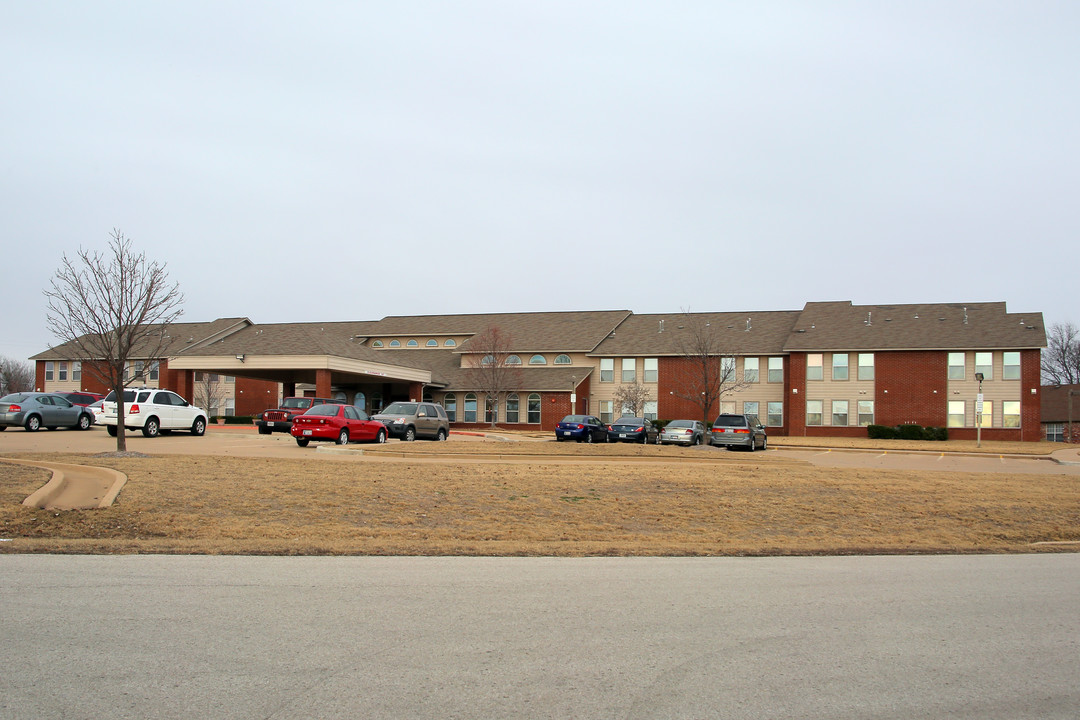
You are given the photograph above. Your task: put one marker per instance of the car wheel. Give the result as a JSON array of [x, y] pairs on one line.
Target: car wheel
[[380, 437], [265, 430], [765, 443], [85, 421], [588, 438], [111, 429], [33, 423], [645, 438], [658, 439], [440, 436], [302, 442], [343, 437], [151, 428], [410, 434], [198, 428]]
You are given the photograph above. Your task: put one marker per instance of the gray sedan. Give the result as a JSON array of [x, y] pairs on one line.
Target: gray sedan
[[34, 411], [683, 432]]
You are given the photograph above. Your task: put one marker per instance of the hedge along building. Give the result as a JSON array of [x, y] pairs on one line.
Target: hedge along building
[[830, 369]]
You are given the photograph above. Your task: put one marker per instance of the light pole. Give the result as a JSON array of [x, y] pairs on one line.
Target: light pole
[[978, 412]]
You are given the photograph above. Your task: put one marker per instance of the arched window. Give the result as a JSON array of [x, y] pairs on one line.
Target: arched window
[[395, 343], [562, 360], [487, 360], [491, 409], [513, 360], [449, 402], [432, 343], [360, 400], [470, 407], [534, 408], [538, 360], [340, 395], [376, 343], [450, 342], [512, 404], [412, 343]]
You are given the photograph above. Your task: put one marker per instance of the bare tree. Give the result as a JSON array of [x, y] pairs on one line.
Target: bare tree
[[633, 396], [208, 392], [710, 370], [15, 375], [1061, 357], [110, 308], [488, 369]]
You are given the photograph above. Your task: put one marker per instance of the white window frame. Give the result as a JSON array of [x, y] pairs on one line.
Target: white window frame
[[1010, 413], [984, 363], [815, 366], [629, 370], [957, 414], [770, 414], [751, 369], [607, 369], [815, 413], [651, 370], [840, 370], [957, 365], [776, 370], [533, 408], [866, 366], [866, 412], [836, 414], [1010, 371]]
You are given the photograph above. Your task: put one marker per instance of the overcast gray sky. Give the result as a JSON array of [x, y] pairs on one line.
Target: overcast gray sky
[[350, 160]]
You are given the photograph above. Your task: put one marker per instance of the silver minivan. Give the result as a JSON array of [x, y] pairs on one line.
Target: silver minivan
[[739, 431]]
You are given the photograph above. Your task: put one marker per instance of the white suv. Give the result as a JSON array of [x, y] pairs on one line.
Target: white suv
[[153, 411]]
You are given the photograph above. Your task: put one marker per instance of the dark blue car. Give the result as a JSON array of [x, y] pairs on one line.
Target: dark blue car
[[583, 428]]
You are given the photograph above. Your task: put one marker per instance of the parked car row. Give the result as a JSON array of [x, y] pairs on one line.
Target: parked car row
[[35, 410], [728, 430]]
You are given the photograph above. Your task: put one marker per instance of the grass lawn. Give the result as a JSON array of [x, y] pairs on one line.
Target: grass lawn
[[709, 503]]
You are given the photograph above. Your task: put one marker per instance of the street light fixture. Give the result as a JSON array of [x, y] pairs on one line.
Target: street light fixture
[[978, 412]]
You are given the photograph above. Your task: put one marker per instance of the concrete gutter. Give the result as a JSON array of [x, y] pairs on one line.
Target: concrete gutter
[[74, 487]]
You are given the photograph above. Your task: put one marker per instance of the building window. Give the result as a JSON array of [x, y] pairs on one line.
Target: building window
[[432, 343], [412, 343], [776, 414], [395, 343], [814, 411], [1011, 368], [48, 371], [866, 413], [650, 410], [1010, 414], [727, 369], [652, 372], [154, 371], [984, 363], [750, 371], [727, 407], [1055, 432], [491, 409], [62, 372], [533, 409], [376, 402], [607, 369], [538, 360], [562, 360], [839, 412], [341, 397], [487, 361], [776, 369], [512, 404], [814, 366], [428, 397], [513, 360], [230, 406], [76, 371], [866, 366], [750, 408], [840, 367], [450, 342], [987, 419], [956, 366], [470, 407], [450, 405], [376, 343], [957, 413], [629, 370], [607, 411], [360, 401]]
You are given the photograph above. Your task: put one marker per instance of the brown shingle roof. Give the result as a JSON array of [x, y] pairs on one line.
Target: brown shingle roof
[[642, 334], [310, 338], [1055, 403], [941, 326], [179, 336]]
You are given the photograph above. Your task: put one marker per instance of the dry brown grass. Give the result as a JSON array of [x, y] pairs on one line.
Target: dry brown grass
[[727, 504]]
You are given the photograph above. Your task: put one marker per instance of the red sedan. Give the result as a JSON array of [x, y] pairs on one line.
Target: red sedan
[[341, 423]]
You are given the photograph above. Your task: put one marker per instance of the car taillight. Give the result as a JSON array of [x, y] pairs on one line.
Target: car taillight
[[687, 431], [742, 430], [609, 429], [580, 426], [14, 408], [133, 410], [639, 429]]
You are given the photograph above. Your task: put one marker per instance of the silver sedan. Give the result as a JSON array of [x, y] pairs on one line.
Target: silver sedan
[[683, 432], [33, 411]]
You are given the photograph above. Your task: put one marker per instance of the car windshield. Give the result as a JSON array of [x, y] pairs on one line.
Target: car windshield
[[296, 403], [730, 421], [680, 424], [575, 418], [400, 408], [14, 398], [330, 410]]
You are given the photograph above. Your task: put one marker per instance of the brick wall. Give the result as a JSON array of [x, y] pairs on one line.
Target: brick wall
[[1031, 403], [910, 387], [675, 376], [795, 395], [254, 396]]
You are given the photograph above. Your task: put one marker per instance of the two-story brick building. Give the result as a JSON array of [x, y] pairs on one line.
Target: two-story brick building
[[829, 369]]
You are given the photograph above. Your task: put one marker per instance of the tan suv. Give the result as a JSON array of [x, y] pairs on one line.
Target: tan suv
[[410, 420]]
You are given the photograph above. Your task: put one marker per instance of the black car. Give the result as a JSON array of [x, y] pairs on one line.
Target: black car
[[633, 429], [583, 428]]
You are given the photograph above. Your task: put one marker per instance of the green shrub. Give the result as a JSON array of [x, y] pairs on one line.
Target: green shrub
[[910, 432], [880, 432]]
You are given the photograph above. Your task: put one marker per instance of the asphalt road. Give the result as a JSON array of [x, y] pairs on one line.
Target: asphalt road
[[242, 637]]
